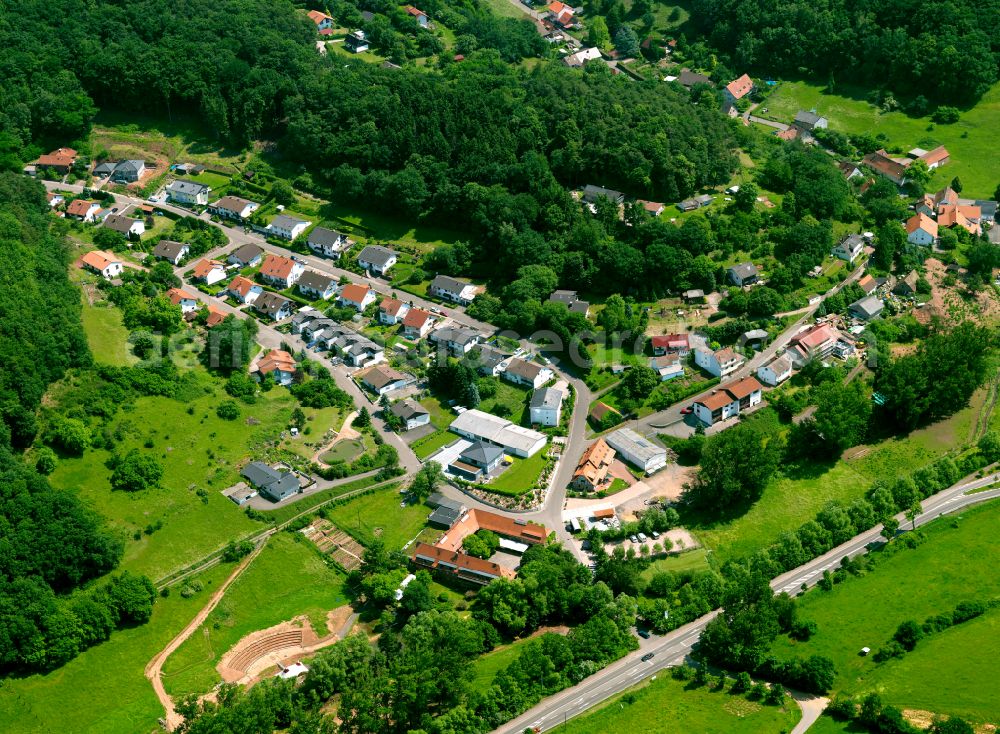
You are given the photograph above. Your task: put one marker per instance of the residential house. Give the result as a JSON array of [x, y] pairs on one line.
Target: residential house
[[571, 301], [417, 323], [356, 41], [592, 473], [489, 361], [384, 379], [477, 461], [172, 252], [737, 90], [377, 259], [907, 286], [316, 285], [652, 208], [592, 193], [457, 339], [921, 230], [215, 316], [209, 272], [728, 401], [667, 367], [743, 274], [868, 284], [104, 169], [452, 289], [83, 209], [850, 248], [105, 265], [477, 425], [128, 171], [187, 302], [697, 202], [867, 308], [327, 242], [271, 483], [809, 121], [776, 371], [188, 192], [689, 79], [966, 216], [412, 413], [419, 15], [277, 363], [545, 406], [678, 344], [59, 161], [244, 290], [637, 450], [522, 372], [391, 311], [581, 57], [321, 19], [814, 343], [457, 564], [54, 199], [274, 306], [357, 296], [356, 349], [719, 364], [849, 169], [125, 225], [933, 158], [247, 256], [286, 227], [233, 207], [282, 272], [882, 163]]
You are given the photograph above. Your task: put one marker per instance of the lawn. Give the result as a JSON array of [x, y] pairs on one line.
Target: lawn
[[513, 399], [198, 451], [106, 334], [506, 9], [956, 563], [424, 447], [388, 228], [695, 560], [318, 422], [487, 666], [104, 689], [379, 514], [790, 500], [346, 450], [521, 477], [289, 578], [970, 141], [667, 705]]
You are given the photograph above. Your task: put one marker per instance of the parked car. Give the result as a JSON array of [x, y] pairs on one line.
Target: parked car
[[644, 634], [647, 657], [656, 535], [687, 411], [633, 539], [642, 538]]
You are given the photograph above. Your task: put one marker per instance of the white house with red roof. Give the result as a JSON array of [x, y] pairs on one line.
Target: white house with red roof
[[816, 342], [417, 323], [321, 19], [728, 401], [357, 296], [419, 15], [83, 210], [244, 290], [103, 264], [391, 311], [187, 302], [737, 89], [678, 344], [281, 271], [921, 230], [208, 272], [277, 363]]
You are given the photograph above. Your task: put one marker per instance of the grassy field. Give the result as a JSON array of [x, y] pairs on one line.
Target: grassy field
[[424, 447], [506, 9], [103, 690], [695, 560], [347, 450], [975, 157], [198, 450], [521, 476], [790, 500], [380, 514], [666, 705], [485, 667], [293, 580], [106, 334], [956, 563]]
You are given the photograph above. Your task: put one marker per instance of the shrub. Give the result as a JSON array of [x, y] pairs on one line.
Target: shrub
[[228, 410], [136, 471]]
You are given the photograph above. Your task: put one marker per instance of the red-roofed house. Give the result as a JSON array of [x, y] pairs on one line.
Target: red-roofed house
[[892, 168], [105, 265], [592, 471], [965, 216], [719, 364], [281, 271], [244, 290], [209, 272], [187, 302], [277, 363], [728, 401], [357, 296], [934, 158], [59, 160], [816, 342], [83, 210], [215, 316], [921, 230], [391, 311], [322, 20], [419, 15], [416, 323], [670, 344], [737, 89]]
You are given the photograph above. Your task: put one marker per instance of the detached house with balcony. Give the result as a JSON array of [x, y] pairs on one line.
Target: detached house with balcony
[[233, 207], [188, 192], [452, 289], [358, 297], [286, 227], [722, 363], [392, 311], [316, 285], [729, 401], [282, 272], [417, 323], [172, 252], [103, 264], [208, 272], [522, 372], [376, 259], [327, 242], [244, 290]]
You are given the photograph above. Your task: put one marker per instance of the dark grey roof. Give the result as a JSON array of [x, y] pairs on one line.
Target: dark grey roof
[[852, 241], [579, 307], [868, 306], [311, 280], [407, 409], [566, 297], [119, 223], [490, 357], [376, 255], [481, 454], [260, 474], [987, 208], [591, 193], [132, 165], [270, 303], [446, 282], [246, 253], [188, 187], [286, 222], [169, 249], [439, 500], [546, 397], [286, 485], [104, 168], [322, 236], [689, 78], [455, 334], [444, 517], [744, 270], [807, 118]]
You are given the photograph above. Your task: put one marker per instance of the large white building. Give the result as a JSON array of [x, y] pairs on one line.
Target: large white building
[[546, 406], [728, 401], [517, 440], [637, 450]]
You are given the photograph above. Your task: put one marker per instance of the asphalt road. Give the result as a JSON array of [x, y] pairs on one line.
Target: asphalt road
[[671, 649]]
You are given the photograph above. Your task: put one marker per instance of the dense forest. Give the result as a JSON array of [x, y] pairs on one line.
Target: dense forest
[[945, 51]]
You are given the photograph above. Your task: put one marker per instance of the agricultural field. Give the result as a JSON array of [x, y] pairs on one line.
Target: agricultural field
[[948, 672], [199, 452], [293, 579], [667, 705], [379, 515], [974, 155], [104, 689]]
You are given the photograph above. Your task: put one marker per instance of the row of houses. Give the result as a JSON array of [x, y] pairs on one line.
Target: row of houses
[[320, 332]]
